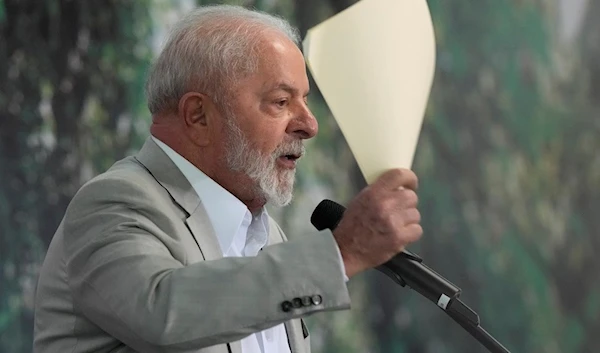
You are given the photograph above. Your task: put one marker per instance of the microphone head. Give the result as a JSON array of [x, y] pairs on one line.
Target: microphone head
[[327, 214]]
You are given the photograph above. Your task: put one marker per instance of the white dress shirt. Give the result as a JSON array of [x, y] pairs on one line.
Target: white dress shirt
[[239, 233]]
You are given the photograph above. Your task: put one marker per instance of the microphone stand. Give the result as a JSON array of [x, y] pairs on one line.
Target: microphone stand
[[474, 328], [456, 309]]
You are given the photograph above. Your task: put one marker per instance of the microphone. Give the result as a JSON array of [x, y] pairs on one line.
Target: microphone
[[407, 269]]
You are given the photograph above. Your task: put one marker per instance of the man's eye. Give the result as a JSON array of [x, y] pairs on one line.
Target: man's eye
[[281, 102]]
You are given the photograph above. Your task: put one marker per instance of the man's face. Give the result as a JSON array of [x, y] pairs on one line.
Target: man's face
[[275, 184], [267, 120]]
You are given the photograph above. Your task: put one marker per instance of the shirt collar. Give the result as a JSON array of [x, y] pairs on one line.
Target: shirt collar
[[225, 211]]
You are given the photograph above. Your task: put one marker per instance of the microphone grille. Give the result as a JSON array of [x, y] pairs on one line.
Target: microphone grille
[[327, 214]]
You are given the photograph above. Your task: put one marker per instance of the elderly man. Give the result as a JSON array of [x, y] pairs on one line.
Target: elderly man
[[172, 250]]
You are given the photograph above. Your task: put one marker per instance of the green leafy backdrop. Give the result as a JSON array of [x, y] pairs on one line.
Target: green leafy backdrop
[[507, 160]]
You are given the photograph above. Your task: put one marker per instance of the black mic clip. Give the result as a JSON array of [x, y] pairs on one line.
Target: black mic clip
[[394, 276]]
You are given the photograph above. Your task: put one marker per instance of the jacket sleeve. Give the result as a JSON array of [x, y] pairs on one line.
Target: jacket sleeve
[[125, 279]]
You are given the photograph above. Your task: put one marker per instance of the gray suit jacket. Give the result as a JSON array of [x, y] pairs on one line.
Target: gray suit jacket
[[135, 266]]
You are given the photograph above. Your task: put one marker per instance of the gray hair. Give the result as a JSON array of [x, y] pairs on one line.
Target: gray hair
[[208, 48]]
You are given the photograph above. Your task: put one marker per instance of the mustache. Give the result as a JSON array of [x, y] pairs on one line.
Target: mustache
[[294, 147]]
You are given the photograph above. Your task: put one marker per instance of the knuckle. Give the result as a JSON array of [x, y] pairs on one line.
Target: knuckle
[[411, 216], [388, 219], [413, 176], [417, 216], [411, 179], [364, 200], [410, 197], [411, 233], [369, 194], [417, 231], [396, 171], [390, 178], [383, 205], [383, 220]]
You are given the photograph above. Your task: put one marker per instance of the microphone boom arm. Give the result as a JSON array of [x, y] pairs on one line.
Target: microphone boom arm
[[407, 269], [448, 300]]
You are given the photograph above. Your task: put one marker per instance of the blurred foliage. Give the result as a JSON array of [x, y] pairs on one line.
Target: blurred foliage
[[507, 160], [69, 94], [504, 173]]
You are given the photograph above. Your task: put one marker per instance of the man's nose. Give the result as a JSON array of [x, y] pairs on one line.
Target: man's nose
[[304, 125]]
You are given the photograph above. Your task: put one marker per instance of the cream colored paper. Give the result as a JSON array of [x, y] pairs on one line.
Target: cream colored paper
[[374, 64]]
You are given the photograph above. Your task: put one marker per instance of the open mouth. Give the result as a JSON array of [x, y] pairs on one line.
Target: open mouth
[[291, 157], [289, 160]]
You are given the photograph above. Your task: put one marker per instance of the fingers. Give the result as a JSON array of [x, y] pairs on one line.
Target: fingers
[[410, 234], [408, 198], [381, 220], [411, 216], [398, 178], [396, 201], [413, 232], [400, 205]]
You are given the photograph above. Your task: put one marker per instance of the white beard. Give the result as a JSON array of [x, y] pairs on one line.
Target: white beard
[[274, 184]]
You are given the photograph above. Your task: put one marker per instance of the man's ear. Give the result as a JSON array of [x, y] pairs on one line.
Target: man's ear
[[192, 111]]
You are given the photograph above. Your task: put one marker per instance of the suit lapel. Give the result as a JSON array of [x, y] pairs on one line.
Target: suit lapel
[[199, 225], [162, 168]]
